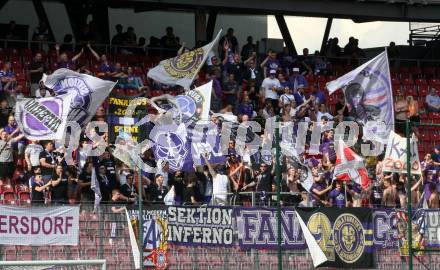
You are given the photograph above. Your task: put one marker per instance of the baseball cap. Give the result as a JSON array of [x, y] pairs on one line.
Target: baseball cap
[[301, 86], [295, 69], [272, 71]]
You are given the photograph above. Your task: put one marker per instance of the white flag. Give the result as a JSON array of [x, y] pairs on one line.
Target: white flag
[[396, 155], [94, 185], [182, 69], [89, 92], [318, 256], [43, 118], [368, 95]]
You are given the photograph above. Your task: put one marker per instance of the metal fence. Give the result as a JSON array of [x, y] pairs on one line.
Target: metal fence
[[104, 235]]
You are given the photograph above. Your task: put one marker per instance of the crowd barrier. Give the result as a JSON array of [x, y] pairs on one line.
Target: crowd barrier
[[225, 238]]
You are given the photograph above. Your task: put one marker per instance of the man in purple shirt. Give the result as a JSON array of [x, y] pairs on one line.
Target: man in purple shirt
[[217, 93], [337, 195], [270, 63], [319, 95], [10, 128], [63, 59]]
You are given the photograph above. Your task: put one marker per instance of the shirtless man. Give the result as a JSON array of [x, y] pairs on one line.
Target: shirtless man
[[433, 201], [389, 194]]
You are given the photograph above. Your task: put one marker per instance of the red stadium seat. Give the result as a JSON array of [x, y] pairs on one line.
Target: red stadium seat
[[43, 253], [58, 253], [415, 71], [407, 81], [26, 253], [8, 195], [132, 92], [423, 90], [429, 72], [24, 194], [119, 91], [10, 253]]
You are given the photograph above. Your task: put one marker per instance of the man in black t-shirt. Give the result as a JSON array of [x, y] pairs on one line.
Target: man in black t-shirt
[[104, 184], [36, 70], [84, 182], [157, 190], [128, 190], [106, 160], [47, 161], [59, 185], [38, 188]]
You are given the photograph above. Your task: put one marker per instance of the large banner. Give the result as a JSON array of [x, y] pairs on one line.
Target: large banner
[[155, 234], [344, 236], [39, 226], [43, 118], [257, 228], [89, 92], [200, 225], [117, 120], [396, 155]]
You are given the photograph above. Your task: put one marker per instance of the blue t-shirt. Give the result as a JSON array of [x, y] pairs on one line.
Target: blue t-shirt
[[106, 67], [338, 197], [320, 97], [272, 64]]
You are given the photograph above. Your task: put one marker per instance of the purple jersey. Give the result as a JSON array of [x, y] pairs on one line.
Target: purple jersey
[[338, 197]]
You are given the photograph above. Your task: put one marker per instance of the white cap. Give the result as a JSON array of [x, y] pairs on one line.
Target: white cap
[[272, 71], [295, 69]]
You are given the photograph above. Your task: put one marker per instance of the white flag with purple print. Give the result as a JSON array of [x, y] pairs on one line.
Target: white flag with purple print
[[43, 118], [182, 69], [368, 95], [88, 92]]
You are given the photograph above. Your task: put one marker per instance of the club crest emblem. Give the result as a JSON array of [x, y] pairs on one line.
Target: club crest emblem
[[184, 65], [169, 146], [81, 100], [349, 237]]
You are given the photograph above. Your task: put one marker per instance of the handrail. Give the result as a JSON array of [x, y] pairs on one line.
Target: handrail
[[109, 47]]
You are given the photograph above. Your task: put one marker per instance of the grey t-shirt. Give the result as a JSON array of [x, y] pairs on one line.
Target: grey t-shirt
[[34, 150], [6, 152]]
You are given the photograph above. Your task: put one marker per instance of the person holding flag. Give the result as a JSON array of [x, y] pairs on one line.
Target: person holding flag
[[182, 69]]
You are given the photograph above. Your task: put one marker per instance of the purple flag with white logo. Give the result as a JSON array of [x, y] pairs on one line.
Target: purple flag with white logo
[[183, 147], [43, 118], [88, 92]]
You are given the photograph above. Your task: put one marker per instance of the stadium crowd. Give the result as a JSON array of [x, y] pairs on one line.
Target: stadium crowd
[[246, 84]]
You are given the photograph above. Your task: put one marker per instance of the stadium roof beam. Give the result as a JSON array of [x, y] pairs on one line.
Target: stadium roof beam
[[210, 26], [328, 27], [101, 18], [77, 13], [3, 3], [366, 10], [200, 24], [286, 34], [42, 17]]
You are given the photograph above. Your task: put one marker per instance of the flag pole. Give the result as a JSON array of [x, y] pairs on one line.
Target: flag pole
[[278, 182], [346, 201], [140, 217], [408, 168]]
